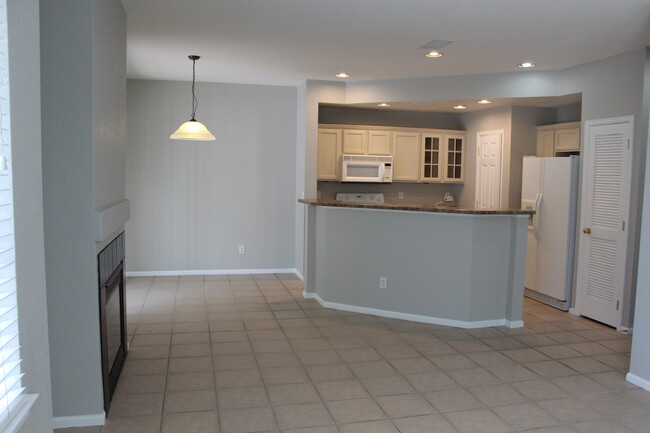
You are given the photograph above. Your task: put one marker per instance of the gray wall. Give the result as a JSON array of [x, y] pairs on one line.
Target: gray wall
[[78, 131], [194, 203], [25, 89], [409, 119]]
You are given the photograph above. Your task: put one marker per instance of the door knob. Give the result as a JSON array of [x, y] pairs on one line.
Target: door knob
[[586, 230]]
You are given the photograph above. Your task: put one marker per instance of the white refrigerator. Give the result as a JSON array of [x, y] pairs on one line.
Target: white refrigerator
[[550, 187]]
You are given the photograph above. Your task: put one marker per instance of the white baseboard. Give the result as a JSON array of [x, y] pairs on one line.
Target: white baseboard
[[638, 381], [299, 275], [79, 420], [213, 272], [574, 311], [415, 317]]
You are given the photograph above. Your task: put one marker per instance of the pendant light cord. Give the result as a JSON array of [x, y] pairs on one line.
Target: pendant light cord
[[195, 102]]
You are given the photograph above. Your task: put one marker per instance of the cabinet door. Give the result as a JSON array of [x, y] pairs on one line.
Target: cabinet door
[[567, 140], [355, 141], [406, 156], [379, 143], [432, 158], [329, 150], [545, 143], [454, 170]]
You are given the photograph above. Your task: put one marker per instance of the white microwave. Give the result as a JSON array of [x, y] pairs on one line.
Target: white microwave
[[364, 168]]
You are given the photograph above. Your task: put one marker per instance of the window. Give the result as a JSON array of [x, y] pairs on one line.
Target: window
[[14, 405]]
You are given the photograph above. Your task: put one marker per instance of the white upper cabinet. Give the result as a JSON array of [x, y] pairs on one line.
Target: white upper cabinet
[[406, 156], [379, 143], [355, 142], [567, 140], [432, 157], [454, 170], [558, 138], [329, 152]]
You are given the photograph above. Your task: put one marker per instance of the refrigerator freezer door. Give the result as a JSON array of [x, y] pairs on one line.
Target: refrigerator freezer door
[[530, 191]]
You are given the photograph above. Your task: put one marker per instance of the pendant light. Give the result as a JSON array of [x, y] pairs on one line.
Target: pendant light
[[193, 129]]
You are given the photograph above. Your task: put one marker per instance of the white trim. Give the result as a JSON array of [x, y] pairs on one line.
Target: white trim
[[213, 272], [298, 274], [638, 381], [415, 317], [574, 311], [79, 420], [18, 419]]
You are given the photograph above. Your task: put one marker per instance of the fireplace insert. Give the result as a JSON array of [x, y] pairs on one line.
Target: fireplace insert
[[112, 315]]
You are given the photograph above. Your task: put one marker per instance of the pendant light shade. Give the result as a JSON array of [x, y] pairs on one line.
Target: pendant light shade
[[193, 129]]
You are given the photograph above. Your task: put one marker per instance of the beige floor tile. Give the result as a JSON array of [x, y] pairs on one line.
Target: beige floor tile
[[154, 328], [301, 333], [149, 352], [191, 422], [372, 369], [369, 427], [141, 384], [388, 385], [271, 346], [359, 354], [578, 385], [236, 398], [292, 393], [424, 382], [452, 400], [346, 342], [424, 424], [131, 424], [232, 348], [615, 404], [225, 325], [478, 421], [181, 328], [310, 344], [247, 420], [279, 359], [237, 378], [319, 357], [526, 416], [550, 369], [401, 351], [281, 375], [541, 389], [341, 390], [190, 381], [190, 401], [405, 405], [489, 359], [134, 367], [251, 325], [497, 395], [136, 404], [190, 365], [525, 355], [151, 340], [570, 410], [512, 373], [190, 350], [473, 377], [585, 365], [228, 336], [637, 423], [452, 362], [604, 426], [349, 411], [190, 338], [235, 362], [302, 415], [299, 320], [321, 373], [414, 365], [503, 343]]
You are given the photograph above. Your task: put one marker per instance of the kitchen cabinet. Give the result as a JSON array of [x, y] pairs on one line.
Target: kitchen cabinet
[[454, 170], [432, 158], [558, 139], [379, 143], [355, 142], [329, 154], [406, 156], [443, 158]]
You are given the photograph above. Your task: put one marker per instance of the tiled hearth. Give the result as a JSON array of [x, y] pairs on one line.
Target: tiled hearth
[[243, 353]]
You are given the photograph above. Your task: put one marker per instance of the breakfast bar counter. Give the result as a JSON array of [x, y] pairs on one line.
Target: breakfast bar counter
[[440, 265]]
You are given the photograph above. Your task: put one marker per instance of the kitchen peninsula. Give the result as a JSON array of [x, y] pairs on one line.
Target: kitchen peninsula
[[440, 265]]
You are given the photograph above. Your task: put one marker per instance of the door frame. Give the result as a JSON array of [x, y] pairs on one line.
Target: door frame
[[501, 132], [627, 182]]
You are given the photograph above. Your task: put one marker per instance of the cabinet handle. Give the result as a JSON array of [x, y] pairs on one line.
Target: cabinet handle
[[586, 231]]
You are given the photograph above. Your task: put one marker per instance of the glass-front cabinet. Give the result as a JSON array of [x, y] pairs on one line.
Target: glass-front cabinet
[[431, 158], [454, 172], [443, 158]]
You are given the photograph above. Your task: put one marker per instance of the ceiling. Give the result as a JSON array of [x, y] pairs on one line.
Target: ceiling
[[284, 42]]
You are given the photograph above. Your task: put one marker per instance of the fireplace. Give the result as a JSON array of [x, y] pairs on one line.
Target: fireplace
[[112, 315]]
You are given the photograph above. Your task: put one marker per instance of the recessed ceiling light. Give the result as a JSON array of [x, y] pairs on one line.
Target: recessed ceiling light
[[383, 104], [459, 107], [342, 75], [526, 65], [484, 101], [434, 54]]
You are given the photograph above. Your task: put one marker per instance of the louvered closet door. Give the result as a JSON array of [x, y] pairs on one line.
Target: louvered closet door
[[605, 207]]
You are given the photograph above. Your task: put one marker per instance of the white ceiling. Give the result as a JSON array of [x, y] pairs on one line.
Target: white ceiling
[[284, 42]]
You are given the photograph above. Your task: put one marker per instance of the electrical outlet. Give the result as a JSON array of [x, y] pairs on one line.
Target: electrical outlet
[[383, 282], [242, 249], [400, 195]]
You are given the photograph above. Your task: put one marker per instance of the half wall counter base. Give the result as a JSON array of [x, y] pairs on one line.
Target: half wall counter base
[[463, 269]]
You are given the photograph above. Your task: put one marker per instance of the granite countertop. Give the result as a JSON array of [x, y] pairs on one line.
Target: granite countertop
[[415, 207]]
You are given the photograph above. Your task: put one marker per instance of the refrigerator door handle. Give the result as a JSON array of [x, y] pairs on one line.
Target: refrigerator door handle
[[538, 203]]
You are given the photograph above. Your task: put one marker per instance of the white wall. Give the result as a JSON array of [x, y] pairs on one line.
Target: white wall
[[80, 126], [194, 203], [24, 58]]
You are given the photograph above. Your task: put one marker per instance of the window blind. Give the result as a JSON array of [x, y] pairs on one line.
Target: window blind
[[11, 399]]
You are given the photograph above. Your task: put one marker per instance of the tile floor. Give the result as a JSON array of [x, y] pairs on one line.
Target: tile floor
[[246, 353]]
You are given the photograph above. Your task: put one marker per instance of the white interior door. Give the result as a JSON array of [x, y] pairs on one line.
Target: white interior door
[[488, 169], [605, 206]]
